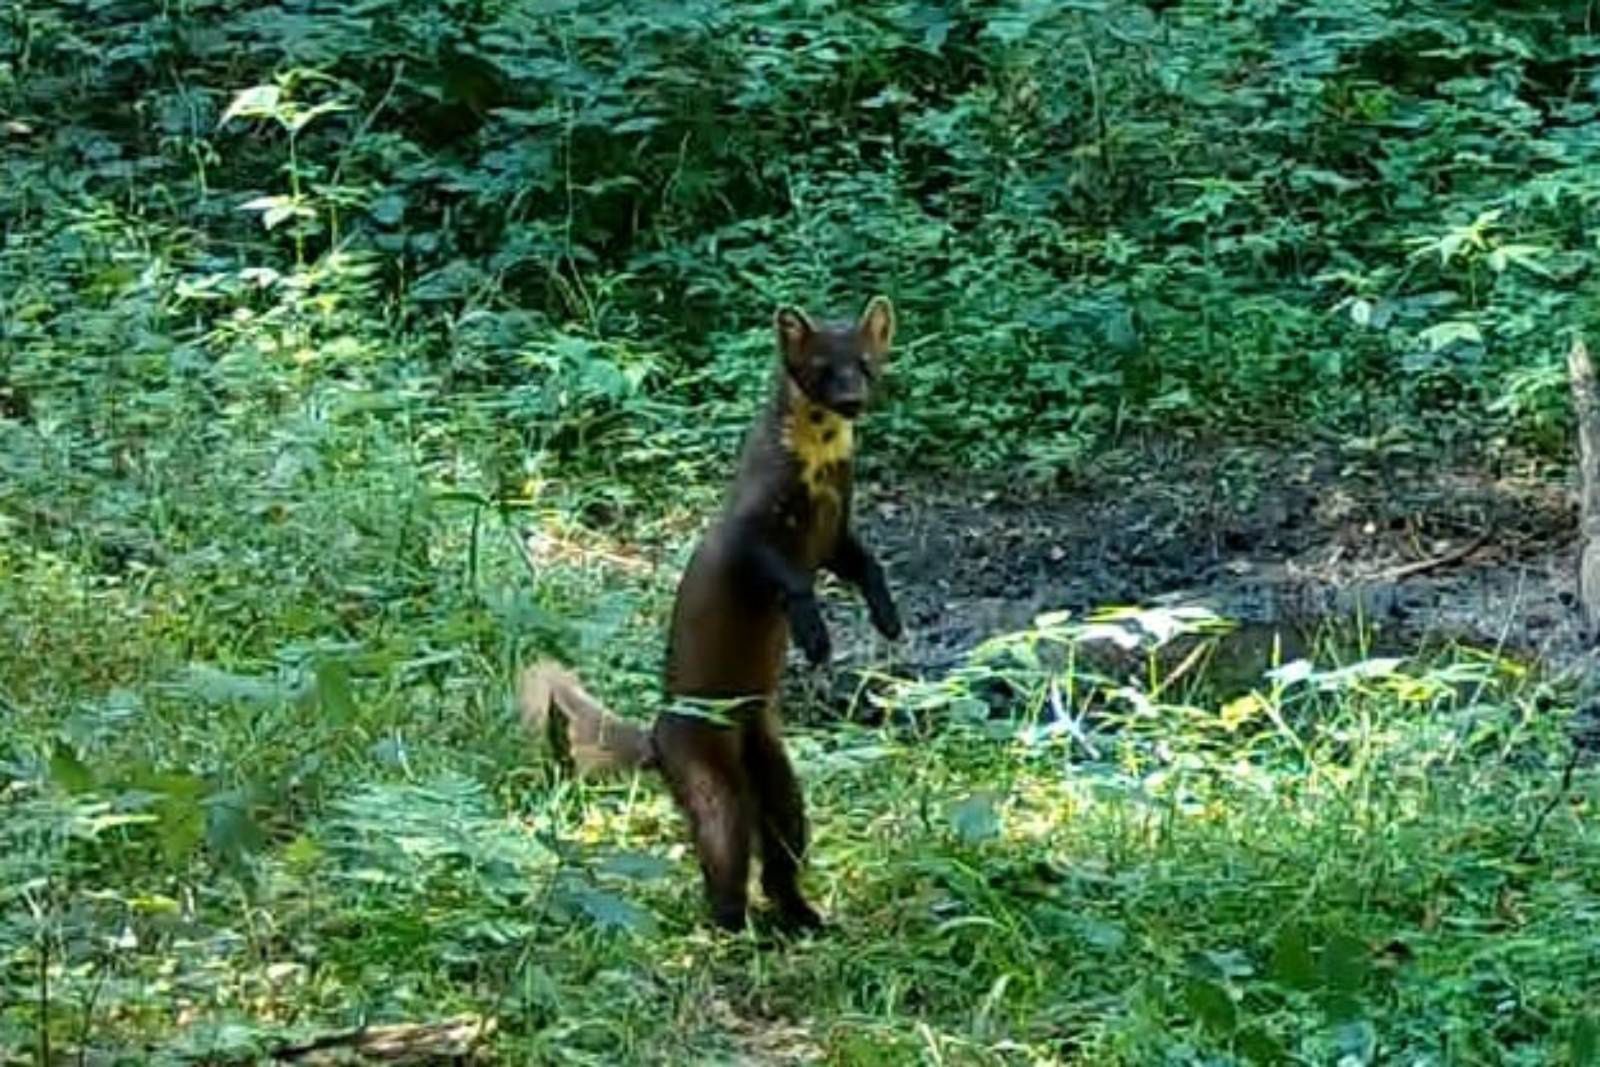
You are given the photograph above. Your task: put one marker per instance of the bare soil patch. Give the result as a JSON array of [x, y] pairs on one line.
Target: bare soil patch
[[1281, 541]]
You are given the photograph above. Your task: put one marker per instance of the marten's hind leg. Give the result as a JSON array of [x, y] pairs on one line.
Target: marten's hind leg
[[780, 822], [703, 766]]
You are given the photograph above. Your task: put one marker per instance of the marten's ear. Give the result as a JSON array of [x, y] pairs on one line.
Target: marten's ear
[[794, 330], [877, 326]]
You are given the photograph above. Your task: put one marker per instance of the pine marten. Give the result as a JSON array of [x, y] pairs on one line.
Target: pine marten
[[748, 586]]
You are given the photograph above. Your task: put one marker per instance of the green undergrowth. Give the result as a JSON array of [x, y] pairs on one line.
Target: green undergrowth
[[212, 850], [351, 355]]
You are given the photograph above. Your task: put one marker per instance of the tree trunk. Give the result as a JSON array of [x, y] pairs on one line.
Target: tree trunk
[[1586, 405]]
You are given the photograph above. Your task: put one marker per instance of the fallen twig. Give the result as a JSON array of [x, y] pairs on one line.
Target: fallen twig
[[1422, 566]]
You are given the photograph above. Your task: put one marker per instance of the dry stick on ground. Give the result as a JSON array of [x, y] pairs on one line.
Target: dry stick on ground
[[1411, 570], [1586, 407]]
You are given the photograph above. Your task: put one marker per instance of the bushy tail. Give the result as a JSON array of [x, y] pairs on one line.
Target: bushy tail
[[558, 711]]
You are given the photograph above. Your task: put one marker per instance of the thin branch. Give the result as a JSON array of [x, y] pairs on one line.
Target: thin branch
[[1525, 852], [1422, 566]]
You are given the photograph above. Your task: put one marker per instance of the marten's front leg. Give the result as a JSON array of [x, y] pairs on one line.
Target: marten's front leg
[[856, 565], [793, 588]]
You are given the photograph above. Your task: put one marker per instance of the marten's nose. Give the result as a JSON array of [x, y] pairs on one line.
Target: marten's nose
[[849, 406]]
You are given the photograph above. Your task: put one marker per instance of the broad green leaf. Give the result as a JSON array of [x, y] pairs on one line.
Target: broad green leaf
[[1345, 962], [1356, 1040], [1445, 334], [333, 691], [1107, 936], [300, 118], [217, 686], [976, 818], [1258, 1046], [640, 866], [68, 771], [1583, 1044], [1292, 964], [231, 831], [1210, 1005], [609, 911], [155, 904], [258, 101], [181, 828]]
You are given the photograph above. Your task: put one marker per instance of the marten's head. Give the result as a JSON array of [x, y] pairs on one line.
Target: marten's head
[[835, 363]]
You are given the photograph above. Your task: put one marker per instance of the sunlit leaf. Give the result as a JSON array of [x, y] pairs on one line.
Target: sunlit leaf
[[155, 904], [258, 101], [1446, 334]]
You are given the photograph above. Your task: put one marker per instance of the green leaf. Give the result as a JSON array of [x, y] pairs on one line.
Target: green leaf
[[68, 771], [216, 686], [1340, 1008], [230, 830], [1258, 1046], [256, 102], [1445, 334], [609, 911], [1524, 256], [640, 866], [1211, 1006], [333, 691], [1107, 936], [181, 828], [388, 209], [303, 852], [1583, 1045], [302, 117], [1344, 964], [976, 818], [155, 904], [1292, 965], [276, 210], [1356, 1041]]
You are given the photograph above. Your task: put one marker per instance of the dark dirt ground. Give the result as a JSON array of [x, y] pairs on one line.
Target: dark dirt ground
[[1282, 541]]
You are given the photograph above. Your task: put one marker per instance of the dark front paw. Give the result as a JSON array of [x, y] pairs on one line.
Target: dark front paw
[[810, 632], [885, 616], [887, 621]]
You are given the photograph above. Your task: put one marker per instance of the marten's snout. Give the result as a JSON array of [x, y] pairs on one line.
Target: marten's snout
[[845, 389]]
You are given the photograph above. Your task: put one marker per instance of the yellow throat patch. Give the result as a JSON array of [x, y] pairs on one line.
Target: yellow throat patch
[[818, 439]]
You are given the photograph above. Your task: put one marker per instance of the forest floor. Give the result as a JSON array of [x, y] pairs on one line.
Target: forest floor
[[1211, 866], [1395, 551]]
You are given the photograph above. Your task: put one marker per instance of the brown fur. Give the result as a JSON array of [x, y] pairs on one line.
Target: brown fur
[[748, 585], [591, 737]]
